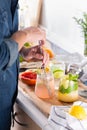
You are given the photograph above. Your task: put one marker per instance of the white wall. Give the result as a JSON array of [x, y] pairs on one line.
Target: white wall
[[57, 18]]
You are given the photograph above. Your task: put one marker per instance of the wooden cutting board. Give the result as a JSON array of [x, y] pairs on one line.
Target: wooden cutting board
[[29, 12], [44, 105]]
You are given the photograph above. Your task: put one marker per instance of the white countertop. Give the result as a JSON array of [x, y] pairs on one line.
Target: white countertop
[[32, 111]]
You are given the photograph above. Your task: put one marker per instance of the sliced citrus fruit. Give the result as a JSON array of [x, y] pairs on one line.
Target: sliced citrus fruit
[[47, 69], [29, 77], [58, 73], [49, 51], [78, 112]]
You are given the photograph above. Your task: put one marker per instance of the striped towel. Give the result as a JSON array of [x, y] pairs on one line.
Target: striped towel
[[61, 120]]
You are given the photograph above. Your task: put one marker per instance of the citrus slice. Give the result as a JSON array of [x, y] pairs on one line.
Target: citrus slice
[[49, 51], [58, 74], [78, 112], [47, 69], [29, 77]]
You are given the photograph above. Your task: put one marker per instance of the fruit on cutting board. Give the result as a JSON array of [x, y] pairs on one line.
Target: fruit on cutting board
[[29, 77]]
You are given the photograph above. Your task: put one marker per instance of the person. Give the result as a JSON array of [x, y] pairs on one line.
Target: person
[[11, 42]]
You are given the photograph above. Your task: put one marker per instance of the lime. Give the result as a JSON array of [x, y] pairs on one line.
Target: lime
[[27, 44], [58, 73], [21, 58]]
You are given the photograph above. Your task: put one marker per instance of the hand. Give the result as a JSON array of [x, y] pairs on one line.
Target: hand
[[35, 53], [31, 34], [35, 34], [45, 58]]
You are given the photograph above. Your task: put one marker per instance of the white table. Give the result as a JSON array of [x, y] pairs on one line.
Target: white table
[[33, 111]]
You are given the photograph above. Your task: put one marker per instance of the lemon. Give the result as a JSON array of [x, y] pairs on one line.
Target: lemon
[[78, 112], [47, 69]]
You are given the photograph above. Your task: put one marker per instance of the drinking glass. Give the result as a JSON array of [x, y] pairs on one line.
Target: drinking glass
[[58, 70], [68, 88], [44, 87]]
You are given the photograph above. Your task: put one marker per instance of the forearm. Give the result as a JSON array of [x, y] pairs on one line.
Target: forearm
[[31, 34]]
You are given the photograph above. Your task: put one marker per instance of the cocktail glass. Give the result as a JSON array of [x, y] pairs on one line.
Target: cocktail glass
[[44, 87], [68, 88], [58, 70]]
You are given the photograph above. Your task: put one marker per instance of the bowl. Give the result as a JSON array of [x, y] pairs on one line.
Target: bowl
[[29, 77]]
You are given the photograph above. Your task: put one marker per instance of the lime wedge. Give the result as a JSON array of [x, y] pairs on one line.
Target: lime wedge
[[21, 58], [27, 44]]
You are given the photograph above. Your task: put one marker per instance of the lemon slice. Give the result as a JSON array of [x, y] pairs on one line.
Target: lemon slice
[[78, 112], [47, 69], [58, 73]]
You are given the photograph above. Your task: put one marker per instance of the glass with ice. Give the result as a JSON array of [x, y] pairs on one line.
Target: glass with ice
[[58, 70]]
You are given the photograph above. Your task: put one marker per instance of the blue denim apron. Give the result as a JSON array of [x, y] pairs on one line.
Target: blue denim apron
[[8, 61]]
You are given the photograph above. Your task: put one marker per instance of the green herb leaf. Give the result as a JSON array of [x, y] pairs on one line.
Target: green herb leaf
[[27, 44], [82, 22], [73, 77], [69, 89], [21, 58]]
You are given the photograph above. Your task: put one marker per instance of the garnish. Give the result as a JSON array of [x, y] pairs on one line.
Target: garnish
[[68, 83], [27, 44]]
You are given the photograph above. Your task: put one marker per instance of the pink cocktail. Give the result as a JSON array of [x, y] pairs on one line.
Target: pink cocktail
[[45, 86]]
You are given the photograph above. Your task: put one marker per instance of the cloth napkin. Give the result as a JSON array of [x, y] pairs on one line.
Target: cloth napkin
[[60, 119]]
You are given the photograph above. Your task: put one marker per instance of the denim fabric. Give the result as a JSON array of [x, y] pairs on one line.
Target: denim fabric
[[8, 61]]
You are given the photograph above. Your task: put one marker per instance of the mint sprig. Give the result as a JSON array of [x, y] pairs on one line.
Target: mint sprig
[[82, 22], [73, 77]]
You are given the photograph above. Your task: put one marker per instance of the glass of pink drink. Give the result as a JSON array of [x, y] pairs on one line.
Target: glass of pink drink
[[44, 87]]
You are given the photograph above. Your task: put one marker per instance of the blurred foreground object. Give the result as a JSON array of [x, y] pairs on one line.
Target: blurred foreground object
[[78, 112]]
